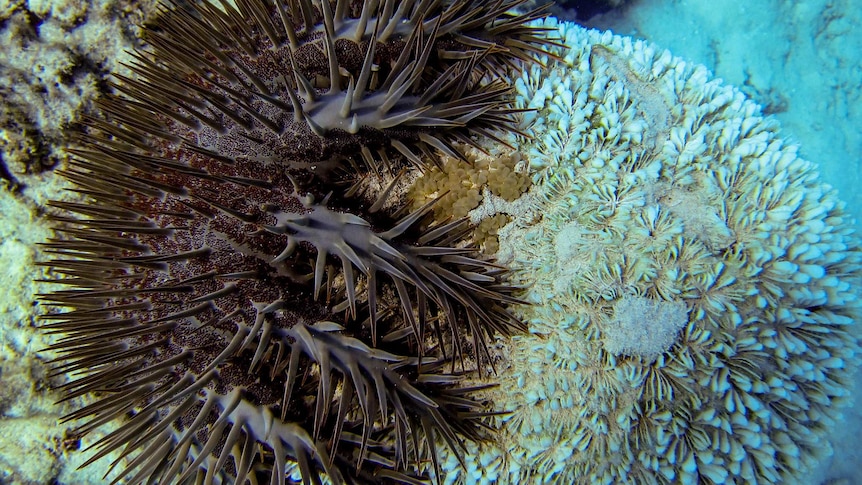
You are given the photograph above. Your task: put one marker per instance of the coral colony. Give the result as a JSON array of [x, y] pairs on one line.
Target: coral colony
[[693, 287], [281, 265]]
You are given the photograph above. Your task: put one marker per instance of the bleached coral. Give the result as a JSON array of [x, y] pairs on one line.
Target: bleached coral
[[643, 326], [654, 182]]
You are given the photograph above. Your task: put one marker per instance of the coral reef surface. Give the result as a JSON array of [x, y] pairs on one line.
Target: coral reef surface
[[657, 187], [54, 58]]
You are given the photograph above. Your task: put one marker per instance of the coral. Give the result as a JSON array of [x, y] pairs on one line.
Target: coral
[[643, 327], [53, 57], [486, 232], [241, 190], [459, 185], [654, 183]]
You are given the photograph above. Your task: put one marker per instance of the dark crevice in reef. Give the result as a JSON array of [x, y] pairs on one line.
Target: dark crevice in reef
[[12, 183]]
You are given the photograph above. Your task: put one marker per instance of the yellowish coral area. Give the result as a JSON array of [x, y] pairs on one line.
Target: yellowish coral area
[[462, 182]]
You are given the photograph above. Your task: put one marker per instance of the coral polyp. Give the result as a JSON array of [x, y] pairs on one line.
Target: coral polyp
[[240, 193]]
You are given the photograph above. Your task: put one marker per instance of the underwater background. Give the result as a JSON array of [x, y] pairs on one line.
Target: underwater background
[[800, 60]]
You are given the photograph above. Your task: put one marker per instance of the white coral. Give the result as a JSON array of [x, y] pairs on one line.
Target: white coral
[[643, 327], [654, 181]]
